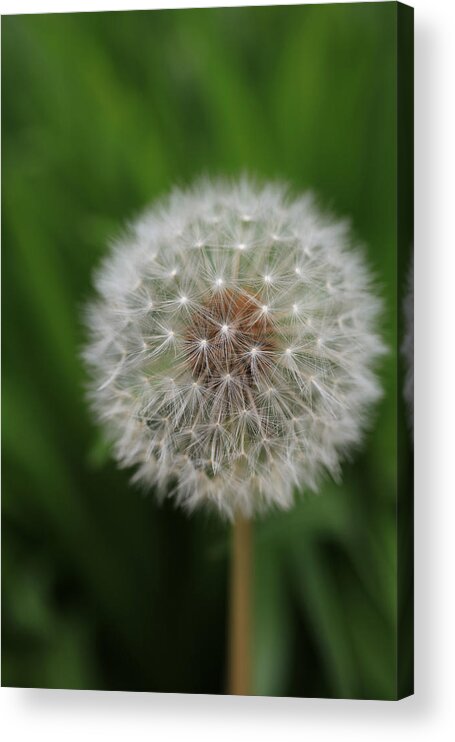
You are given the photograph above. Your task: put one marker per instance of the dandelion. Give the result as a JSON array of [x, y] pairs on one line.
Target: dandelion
[[407, 346], [233, 346]]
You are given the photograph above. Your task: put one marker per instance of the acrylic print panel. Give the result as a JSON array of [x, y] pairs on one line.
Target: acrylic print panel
[[207, 459]]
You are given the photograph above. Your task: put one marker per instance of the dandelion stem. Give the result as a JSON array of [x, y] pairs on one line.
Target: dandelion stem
[[240, 609]]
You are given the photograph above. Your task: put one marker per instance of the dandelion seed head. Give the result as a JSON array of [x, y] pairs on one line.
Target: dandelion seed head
[[251, 389], [407, 346]]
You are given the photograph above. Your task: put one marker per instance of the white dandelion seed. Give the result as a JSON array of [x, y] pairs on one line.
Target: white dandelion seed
[[223, 373]]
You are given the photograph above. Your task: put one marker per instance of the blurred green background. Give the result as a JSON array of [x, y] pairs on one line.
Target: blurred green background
[[103, 112]]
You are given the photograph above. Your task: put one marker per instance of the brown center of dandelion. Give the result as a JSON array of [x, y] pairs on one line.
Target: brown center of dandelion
[[229, 336]]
